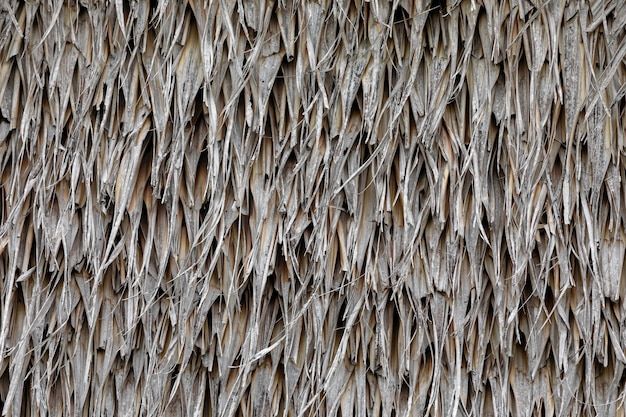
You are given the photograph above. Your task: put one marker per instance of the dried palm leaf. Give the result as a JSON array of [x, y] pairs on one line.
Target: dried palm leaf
[[312, 208]]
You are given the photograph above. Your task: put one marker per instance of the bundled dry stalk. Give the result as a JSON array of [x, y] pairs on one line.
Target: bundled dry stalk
[[300, 208]]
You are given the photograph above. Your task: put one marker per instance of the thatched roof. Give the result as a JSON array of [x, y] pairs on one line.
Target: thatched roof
[[312, 208]]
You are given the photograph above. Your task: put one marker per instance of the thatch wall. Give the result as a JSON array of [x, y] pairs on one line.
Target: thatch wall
[[312, 208]]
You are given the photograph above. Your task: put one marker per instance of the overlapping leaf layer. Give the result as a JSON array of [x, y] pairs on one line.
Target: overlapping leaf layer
[[300, 208]]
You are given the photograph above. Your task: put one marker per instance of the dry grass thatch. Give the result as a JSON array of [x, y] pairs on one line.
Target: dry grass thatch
[[312, 208]]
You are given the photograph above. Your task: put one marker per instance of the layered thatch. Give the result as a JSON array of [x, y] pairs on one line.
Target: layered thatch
[[312, 208]]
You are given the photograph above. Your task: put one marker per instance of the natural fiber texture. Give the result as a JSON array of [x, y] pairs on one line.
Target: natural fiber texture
[[312, 208]]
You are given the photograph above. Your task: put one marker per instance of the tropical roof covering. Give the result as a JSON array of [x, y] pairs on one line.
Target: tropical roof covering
[[302, 207]]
